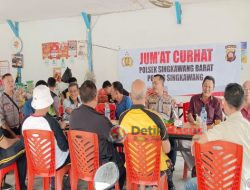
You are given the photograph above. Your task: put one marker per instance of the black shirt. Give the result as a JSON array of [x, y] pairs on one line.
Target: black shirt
[[85, 118]]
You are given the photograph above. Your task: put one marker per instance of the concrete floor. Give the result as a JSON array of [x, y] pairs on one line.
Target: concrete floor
[[179, 183]]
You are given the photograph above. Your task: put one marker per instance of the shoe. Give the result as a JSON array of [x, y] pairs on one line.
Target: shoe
[[172, 188], [170, 181], [171, 185], [6, 186], [193, 173]]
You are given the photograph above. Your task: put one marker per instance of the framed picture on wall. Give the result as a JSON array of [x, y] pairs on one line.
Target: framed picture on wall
[[17, 60]]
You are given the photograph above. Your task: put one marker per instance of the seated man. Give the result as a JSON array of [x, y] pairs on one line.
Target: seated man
[[85, 118], [211, 103], [160, 101], [104, 94], [246, 105], [41, 120], [73, 101], [65, 93], [235, 129], [214, 114], [123, 102], [12, 150], [141, 117]]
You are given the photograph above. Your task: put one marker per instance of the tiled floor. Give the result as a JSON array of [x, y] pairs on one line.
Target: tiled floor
[[179, 183]]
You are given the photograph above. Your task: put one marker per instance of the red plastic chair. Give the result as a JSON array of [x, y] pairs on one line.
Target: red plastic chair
[[185, 111], [40, 153], [8, 169], [185, 119], [218, 165], [84, 154], [142, 155], [100, 108]]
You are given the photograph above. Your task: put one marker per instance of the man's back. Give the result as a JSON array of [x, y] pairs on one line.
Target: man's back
[[48, 123], [87, 119], [138, 118], [235, 129]]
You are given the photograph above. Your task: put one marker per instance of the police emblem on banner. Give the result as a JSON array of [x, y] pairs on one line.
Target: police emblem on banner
[[230, 53], [127, 61]]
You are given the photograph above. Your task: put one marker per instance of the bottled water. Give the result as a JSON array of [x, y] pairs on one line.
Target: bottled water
[[107, 111], [203, 116]]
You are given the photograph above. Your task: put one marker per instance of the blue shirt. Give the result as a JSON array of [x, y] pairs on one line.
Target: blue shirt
[[27, 108], [124, 105]]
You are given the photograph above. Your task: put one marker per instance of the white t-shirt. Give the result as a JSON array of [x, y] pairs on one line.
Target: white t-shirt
[[50, 124], [235, 129]]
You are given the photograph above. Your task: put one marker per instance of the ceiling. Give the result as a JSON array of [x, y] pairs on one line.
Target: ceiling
[[27, 10]]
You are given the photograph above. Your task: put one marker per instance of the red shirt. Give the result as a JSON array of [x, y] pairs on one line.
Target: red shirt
[[246, 113], [213, 108]]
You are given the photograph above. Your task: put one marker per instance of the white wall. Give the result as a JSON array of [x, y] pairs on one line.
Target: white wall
[[212, 22], [33, 34]]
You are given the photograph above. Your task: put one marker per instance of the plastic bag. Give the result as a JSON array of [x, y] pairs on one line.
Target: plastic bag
[[66, 75]]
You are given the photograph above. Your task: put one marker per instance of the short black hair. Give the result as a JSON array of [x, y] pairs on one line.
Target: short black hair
[[6, 75], [161, 77], [209, 78], [106, 84], [234, 95], [41, 82], [88, 91], [51, 82], [118, 86], [72, 79], [73, 84]]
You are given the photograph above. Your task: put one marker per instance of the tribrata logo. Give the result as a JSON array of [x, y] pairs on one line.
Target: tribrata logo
[[127, 61], [230, 53], [117, 133]]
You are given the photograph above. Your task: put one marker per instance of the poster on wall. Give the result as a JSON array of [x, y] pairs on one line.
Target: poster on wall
[[72, 48], [244, 52], [17, 60], [46, 52], [63, 53], [184, 67], [72, 51], [81, 50], [54, 52], [57, 73]]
